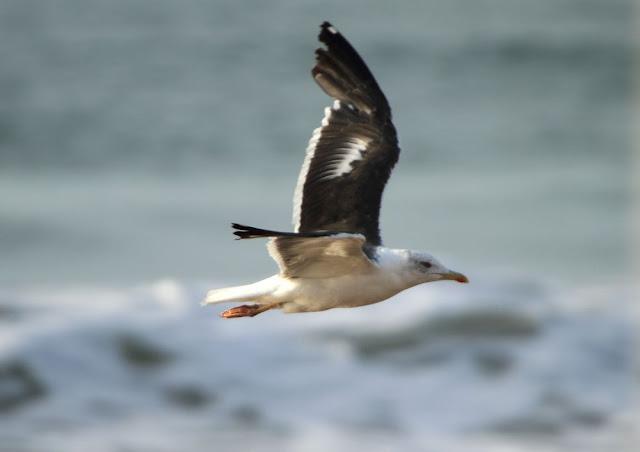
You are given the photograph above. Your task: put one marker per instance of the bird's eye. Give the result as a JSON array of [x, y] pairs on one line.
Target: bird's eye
[[426, 264]]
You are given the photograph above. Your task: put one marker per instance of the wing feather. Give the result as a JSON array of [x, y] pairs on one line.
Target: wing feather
[[350, 157], [320, 257]]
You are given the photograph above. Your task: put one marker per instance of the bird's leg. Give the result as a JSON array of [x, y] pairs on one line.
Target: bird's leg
[[246, 310]]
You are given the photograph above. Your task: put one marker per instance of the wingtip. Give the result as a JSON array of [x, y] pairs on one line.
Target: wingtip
[[240, 231], [327, 27]]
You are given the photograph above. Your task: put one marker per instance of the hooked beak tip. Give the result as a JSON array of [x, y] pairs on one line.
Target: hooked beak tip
[[455, 276]]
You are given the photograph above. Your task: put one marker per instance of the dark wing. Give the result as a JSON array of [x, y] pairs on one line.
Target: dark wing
[[320, 257], [350, 157]]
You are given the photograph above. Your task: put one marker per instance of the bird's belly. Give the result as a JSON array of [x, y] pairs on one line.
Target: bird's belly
[[343, 292]]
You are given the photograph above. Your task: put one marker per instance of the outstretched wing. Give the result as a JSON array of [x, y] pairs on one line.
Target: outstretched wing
[[320, 257], [350, 157]]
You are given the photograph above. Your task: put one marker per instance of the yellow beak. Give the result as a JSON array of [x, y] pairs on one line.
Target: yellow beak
[[455, 276]]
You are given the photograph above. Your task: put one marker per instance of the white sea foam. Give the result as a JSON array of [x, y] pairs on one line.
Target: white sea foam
[[441, 366]]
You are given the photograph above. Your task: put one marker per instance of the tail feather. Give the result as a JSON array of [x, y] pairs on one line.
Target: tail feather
[[249, 292], [228, 294]]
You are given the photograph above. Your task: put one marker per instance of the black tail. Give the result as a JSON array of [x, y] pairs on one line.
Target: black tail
[[343, 75], [249, 232]]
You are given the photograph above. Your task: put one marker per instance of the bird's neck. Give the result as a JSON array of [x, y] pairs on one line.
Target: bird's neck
[[391, 259]]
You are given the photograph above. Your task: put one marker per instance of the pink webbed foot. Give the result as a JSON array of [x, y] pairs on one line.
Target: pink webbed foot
[[245, 310]]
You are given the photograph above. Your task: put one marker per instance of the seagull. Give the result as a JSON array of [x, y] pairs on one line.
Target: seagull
[[335, 257]]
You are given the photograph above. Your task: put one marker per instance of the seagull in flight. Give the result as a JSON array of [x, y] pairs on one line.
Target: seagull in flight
[[335, 257]]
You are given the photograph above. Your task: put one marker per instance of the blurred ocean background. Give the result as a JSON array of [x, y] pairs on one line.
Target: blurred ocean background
[[133, 132]]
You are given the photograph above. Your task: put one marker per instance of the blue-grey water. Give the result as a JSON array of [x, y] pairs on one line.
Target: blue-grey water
[[132, 133]]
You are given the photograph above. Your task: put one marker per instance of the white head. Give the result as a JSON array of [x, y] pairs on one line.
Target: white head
[[426, 268]]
